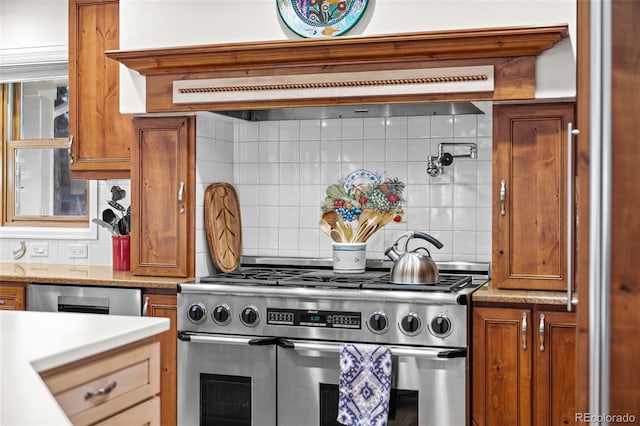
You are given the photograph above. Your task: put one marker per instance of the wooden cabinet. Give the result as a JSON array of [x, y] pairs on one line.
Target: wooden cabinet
[[165, 306], [117, 387], [12, 296], [163, 196], [523, 366], [530, 159], [100, 136]]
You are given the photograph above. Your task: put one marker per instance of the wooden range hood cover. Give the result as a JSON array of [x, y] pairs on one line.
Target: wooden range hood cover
[[510, 50]]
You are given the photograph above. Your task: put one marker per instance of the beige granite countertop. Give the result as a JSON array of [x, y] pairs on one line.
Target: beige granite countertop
[[488, 294], [82, 274]]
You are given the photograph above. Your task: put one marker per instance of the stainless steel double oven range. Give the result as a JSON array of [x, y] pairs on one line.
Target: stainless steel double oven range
[[260, 346]]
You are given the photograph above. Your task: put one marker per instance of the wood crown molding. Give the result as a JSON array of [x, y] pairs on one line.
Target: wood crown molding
[[396, 48]]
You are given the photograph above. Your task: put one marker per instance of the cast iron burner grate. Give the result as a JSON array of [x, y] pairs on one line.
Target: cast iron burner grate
[[254, 276], [448, 283], [328, 279]]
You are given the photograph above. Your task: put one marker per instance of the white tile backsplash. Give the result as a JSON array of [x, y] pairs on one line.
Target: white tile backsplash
[[454, 206]]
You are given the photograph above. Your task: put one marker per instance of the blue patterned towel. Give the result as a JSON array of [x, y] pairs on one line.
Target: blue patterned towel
[[365, 385]]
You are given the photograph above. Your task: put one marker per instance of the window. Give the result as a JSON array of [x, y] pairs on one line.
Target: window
[[38, 190]]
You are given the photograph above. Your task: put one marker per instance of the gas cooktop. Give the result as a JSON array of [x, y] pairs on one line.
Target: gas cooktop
[[326, 278]]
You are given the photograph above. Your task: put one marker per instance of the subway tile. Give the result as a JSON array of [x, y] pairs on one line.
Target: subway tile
[[310, 216], [310, 130], [374, 128], [269, 173], [417, 173], [440, 218], [289, 151], [352, 150], [268, 240], [396, 150], [396, 128], [418, 217], [288, 238], [268, 151], [418, 149], [289, 173], [441, 195], [310, 151], [352, 128], [330, 129], [330, 151], [483, 219], [288, 216], [417, 195], [464, 219], [374, 150], [289, 195], [289, 130], [464, 195], [268, 217], [309, 173], [268, 195], [465, 125], [442, 126], [247, 173], [268, 131], [418, 127], [464, 242]]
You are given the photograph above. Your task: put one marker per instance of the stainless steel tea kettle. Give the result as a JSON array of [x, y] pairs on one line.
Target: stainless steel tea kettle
[[413, 267]]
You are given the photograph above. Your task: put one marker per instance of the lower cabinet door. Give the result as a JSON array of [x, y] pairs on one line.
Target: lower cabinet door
[[555, 368], [501, 367]]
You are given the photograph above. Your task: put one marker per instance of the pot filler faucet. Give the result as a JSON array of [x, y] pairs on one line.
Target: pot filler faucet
[[435, 165]]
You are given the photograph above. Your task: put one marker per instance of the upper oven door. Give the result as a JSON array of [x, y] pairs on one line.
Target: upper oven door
[[428, 385], [226, 380]]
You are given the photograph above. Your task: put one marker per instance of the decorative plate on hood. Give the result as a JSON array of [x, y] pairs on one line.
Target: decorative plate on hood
[[321, 18]]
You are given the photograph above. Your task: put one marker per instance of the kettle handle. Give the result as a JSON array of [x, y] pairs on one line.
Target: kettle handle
[[423, 236]]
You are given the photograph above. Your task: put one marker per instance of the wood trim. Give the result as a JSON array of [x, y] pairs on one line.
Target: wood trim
[[510, 50], [440, 45], [582, 160], [624, 321]]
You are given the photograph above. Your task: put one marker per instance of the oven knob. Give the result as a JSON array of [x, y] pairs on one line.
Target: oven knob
[[441, 326], [249, 316], [197, 313], [221, 314], [378, 322], [410, 324]]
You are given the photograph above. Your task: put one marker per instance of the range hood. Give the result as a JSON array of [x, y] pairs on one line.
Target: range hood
[[355, 111], [425, 73]]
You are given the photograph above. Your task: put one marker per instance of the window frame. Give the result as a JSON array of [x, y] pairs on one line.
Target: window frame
[[16, 226]]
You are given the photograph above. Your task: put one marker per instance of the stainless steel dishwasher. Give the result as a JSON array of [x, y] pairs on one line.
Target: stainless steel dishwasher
[[86, 299]]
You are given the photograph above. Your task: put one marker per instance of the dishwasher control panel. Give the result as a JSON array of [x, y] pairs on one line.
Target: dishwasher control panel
[[314, 318]]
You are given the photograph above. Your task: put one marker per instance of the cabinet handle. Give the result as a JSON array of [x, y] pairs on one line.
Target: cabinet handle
[[541, 330], [1, 301], [102, 391], [570, 133], [180, 196], [71, 149], [145, 306], [524, 331], [503, 195]]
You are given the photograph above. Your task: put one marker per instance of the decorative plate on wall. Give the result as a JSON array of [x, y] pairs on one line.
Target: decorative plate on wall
[[321, 18]]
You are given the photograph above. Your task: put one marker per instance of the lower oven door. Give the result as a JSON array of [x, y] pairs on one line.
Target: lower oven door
[[428, 385], [226, 380]]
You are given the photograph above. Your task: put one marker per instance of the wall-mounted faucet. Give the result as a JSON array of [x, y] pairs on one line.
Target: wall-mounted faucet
[[435, 165]]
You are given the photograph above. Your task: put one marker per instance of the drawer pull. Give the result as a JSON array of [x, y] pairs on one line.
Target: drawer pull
[[102, 391], [1, 301]]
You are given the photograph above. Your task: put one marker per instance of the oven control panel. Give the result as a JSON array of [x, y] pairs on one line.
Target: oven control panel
[[314, 318]]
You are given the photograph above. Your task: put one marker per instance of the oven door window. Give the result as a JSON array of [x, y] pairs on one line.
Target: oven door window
[[225, 400], [403, 406]]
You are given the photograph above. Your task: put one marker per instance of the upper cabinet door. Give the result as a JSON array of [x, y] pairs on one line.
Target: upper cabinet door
[[100, 136], [530, 161], [163, 197]]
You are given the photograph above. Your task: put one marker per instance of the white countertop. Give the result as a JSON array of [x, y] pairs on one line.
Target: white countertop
[[32, 342]]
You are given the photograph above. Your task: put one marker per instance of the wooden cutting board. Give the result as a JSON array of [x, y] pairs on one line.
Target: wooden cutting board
[[223, 225]]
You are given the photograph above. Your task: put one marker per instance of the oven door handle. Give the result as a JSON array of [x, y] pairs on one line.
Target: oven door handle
[[424, 353], [227, 340]]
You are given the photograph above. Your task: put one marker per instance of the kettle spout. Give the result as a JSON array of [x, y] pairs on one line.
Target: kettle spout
[[392, 253]]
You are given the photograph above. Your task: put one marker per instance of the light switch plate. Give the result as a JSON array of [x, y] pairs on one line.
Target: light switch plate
[[39, 250]]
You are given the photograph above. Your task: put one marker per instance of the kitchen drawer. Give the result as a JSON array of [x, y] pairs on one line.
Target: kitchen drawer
[[11, 297], [146, 413], [118, 380]]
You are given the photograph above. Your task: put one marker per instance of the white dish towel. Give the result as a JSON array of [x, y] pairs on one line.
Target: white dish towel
[[365, 385]]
